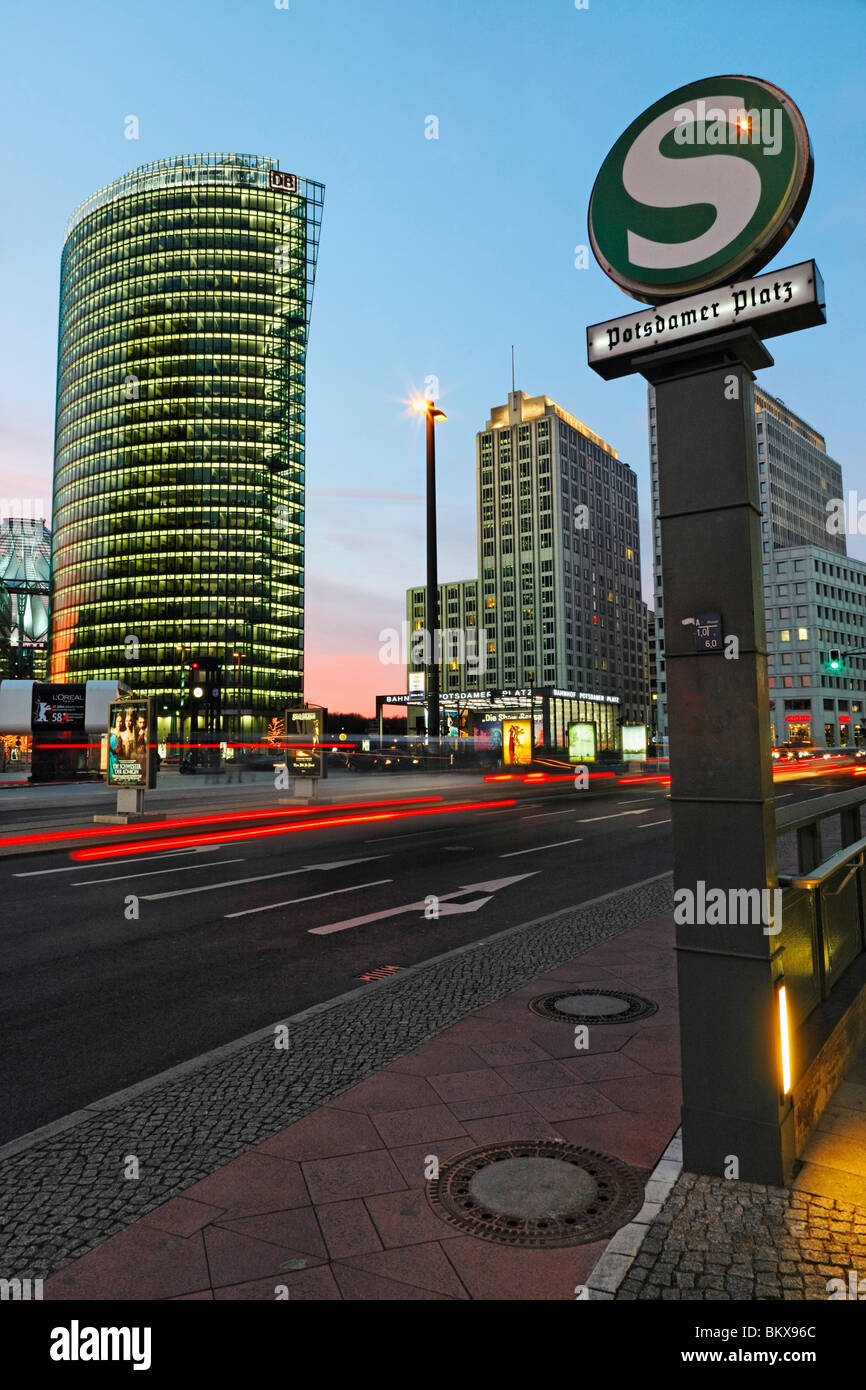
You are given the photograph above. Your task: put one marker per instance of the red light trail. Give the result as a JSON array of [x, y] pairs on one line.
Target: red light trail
[[49, 836], [225, 837]]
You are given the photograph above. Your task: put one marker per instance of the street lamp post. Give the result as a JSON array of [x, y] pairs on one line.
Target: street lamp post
[[181, 647], [239, 657], [432, 415]]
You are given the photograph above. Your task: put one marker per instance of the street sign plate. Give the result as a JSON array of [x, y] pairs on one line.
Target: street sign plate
[[781, 301], [708, 632]]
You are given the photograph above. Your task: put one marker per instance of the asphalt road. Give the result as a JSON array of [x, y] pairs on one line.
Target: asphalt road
[[113, 969]]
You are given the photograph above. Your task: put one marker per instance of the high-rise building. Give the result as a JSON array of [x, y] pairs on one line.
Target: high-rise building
[[652, 669], [558, 595], [178, 525], [559, 553], [815, 603], [461, 636], [797, 480]]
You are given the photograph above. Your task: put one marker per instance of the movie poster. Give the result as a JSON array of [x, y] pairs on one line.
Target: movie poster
[[129, 753]]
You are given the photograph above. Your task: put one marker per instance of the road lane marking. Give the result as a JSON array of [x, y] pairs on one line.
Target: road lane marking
[[512, 853], [411, 835], [259, 878], [416, 834], [491, 886], [543, 815], [248, 911], [649, 825], [77, 868], [615, 815], [152, 873]]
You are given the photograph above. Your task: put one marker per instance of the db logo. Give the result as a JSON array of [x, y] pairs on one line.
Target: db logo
[[286, 183]]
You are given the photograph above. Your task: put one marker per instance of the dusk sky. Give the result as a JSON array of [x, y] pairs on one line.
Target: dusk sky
[[436, 254]]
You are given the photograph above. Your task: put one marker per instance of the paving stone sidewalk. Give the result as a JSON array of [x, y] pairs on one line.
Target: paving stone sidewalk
[[261, 1181], [63, 1191], [721, 1240], [724, 1240], [336, 1206]]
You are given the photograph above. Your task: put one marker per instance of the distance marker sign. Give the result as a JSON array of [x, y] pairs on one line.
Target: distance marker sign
[[702, 189]]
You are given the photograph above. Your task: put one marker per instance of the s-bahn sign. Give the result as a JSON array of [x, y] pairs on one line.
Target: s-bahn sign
[[702, 189], [779, 301]]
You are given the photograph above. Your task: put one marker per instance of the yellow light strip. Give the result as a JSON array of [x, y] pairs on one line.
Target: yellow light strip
[[784, 1039]]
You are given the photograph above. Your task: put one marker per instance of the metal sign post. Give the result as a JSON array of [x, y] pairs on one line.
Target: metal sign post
[[722, 805], [692, 200]]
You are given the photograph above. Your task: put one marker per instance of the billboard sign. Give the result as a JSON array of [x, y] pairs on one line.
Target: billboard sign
[[516, 742], [581, 743], [703, 188], [131, 754], [58, 706], [634, 743], [305, 732]]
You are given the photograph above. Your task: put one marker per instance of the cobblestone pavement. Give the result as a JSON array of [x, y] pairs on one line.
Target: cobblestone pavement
[[717, 1239], [66, 1193]]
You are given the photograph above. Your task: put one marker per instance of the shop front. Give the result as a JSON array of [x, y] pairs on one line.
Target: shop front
[[515, 724]]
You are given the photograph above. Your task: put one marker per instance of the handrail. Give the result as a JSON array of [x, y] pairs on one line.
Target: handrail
[[794, 817], [830, 866]]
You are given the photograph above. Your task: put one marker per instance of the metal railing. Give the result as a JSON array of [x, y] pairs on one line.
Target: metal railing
[[823, 918]]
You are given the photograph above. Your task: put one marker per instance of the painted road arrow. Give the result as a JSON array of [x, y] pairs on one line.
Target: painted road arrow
[[260, 878], [490, 887]]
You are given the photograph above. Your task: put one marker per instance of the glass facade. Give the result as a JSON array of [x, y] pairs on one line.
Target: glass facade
[[185, 296]]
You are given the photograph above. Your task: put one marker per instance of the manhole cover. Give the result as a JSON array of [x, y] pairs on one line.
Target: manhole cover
[[593, 1006], [538, 1194]]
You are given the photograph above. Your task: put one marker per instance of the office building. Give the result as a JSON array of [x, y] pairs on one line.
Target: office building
[[178, 525], [797, 480], [815, 602], [558, 593]]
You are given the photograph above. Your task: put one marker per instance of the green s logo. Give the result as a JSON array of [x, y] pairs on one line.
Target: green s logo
[[702, 189]]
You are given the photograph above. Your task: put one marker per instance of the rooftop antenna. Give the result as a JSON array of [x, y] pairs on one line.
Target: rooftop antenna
[[512, 369]]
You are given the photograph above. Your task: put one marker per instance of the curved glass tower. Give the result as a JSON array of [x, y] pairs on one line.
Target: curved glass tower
[[185, 296]]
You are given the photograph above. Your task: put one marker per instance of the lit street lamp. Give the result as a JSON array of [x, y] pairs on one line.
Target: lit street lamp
[[239, 657], [433, 414]]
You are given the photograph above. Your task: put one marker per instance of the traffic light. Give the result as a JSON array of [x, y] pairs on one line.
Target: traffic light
[[835, 660], [201, 704]]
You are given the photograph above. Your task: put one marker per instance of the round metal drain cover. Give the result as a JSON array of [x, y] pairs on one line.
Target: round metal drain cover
[[593, 1006], [538, 1194]]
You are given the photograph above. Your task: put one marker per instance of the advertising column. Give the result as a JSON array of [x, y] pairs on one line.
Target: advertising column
[[60, 741], [132, 755]]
